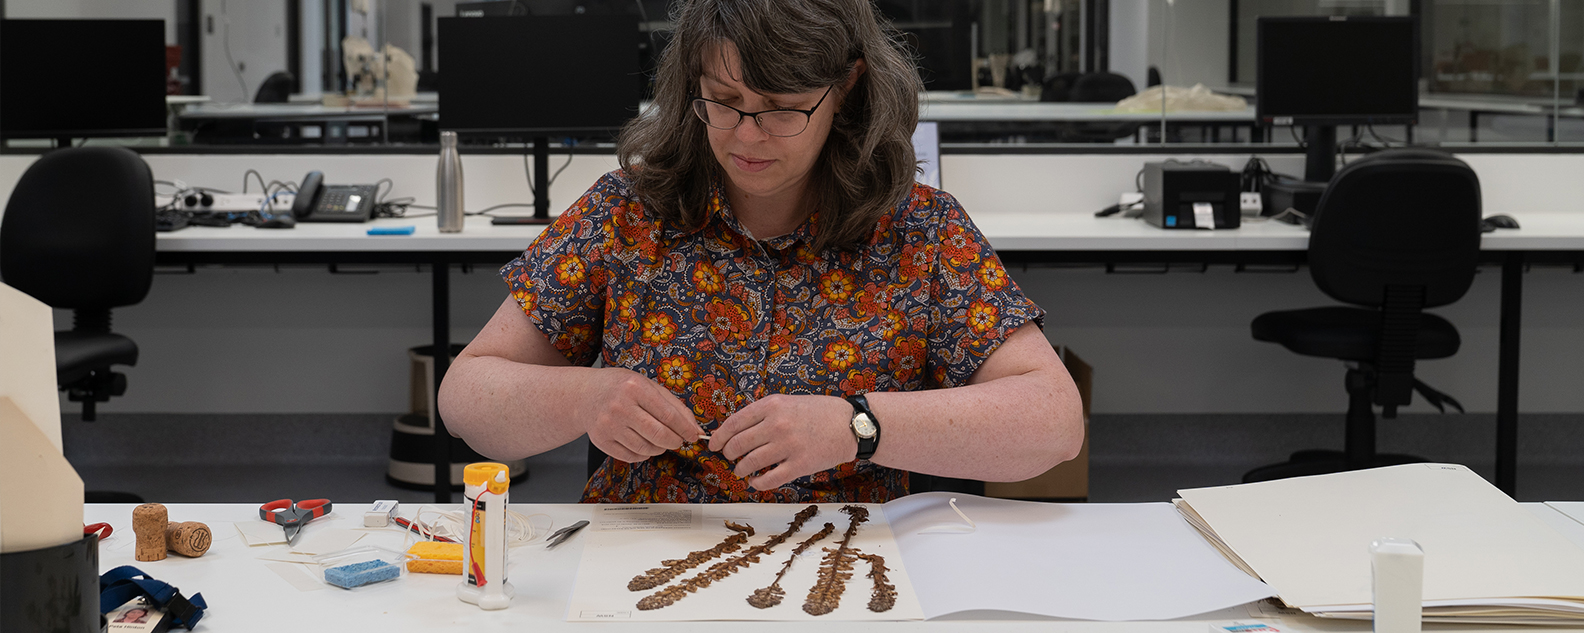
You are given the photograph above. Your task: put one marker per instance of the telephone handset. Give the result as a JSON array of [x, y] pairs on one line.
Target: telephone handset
[[318, 202]]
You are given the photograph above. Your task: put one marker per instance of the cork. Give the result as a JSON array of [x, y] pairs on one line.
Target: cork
[[189, 538], [149, 521]]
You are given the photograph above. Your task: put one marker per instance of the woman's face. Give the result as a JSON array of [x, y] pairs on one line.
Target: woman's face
[[756, 163]]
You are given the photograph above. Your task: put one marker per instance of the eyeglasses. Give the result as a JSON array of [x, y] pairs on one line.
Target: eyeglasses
[[778, 122]]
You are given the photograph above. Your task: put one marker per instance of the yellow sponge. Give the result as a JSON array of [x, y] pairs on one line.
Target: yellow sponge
[[435, 558]]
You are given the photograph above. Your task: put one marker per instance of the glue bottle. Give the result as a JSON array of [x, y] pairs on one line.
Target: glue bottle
[[484, 557]]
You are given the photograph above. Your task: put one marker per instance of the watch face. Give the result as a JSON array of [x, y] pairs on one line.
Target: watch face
[[863, 426]]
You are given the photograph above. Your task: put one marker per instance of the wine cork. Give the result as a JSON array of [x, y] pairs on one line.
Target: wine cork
[[149, 521], [189, 538]]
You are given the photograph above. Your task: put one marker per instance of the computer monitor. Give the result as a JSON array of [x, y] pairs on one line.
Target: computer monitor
[[533, 77], [1320, 72], [525, 77], [941, 35], [82, 78]]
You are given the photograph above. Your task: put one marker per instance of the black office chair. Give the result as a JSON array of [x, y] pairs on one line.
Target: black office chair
[[1058, 87], [78, 233], [1396, 232], [1099, 87], [277, 88]]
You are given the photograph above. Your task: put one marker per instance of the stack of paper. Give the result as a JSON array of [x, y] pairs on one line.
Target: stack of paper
[[1487, 560]]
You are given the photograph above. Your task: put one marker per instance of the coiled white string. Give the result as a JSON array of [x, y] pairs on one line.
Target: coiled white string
[[453, 524]]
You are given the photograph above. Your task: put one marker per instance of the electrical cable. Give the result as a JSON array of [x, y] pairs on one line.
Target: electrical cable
[[225, 40], [528, 170], [255, 173]]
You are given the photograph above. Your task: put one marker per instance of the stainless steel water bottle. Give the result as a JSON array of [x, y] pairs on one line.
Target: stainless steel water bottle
[[448, 185]]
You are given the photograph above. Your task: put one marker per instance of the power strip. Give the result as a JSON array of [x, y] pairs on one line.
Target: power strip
[[223, 202]]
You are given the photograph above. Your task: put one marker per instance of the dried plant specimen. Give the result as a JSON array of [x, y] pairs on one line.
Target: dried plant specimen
[[670, 569], [884, 595], [835, 568], [770, 596], [668, 596]]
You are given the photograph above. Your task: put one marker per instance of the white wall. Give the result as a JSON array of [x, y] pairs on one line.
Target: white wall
[[100, 9], [298, 339], [1188, 41], [256, 42]]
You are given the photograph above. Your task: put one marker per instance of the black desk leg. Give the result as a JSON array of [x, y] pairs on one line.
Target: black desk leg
[[441, 295], [1507, 374]]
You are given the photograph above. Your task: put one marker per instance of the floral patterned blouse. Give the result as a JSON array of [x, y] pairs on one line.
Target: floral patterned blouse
[[722, 319]]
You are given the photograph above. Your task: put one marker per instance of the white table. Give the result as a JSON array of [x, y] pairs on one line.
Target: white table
[[245, 596], [1017, 237]]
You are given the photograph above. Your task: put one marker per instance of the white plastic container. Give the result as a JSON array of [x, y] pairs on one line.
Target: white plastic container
[[487, 487]]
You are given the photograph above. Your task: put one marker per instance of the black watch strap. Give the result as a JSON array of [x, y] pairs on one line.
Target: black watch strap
[[866, 445]]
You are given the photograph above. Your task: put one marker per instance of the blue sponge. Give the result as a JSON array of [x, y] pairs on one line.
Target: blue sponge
[[359, 574]]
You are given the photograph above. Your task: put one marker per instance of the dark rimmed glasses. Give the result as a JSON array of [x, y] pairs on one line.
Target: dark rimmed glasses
[[778, 122]]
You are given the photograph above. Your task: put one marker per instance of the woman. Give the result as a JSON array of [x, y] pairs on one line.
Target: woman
[[763, 255]]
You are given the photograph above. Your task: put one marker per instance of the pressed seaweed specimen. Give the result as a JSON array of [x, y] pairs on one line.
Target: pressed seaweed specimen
[[884, 595], [668, 596], [672, 568], [835, 568], [770, 596]]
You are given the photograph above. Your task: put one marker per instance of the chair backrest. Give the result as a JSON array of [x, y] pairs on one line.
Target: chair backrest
[[1403, 217], [78, 231], [1058, 87], [276, 88], [1102, 87]]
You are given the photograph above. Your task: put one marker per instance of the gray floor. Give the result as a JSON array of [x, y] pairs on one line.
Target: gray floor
[[258, 458]]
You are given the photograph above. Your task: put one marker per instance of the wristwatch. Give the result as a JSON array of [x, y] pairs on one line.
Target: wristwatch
[[865, 427]]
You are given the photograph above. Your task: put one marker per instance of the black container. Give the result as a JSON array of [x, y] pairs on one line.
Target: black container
[[51, 590]]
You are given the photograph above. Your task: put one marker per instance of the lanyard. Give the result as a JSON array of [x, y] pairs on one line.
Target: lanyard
[[120, 585]]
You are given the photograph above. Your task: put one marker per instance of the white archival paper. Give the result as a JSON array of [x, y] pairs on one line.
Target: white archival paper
[[1090, 561], [614, 555]]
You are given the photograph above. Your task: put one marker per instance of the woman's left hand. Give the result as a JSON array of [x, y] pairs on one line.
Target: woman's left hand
[[798, 435]]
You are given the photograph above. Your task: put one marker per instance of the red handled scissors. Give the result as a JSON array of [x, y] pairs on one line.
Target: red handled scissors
[[292, 515]]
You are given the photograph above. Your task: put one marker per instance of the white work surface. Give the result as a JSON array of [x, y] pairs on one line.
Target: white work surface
[[1006, 231], [244, 595]]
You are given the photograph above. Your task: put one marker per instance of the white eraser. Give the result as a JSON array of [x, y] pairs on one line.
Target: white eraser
[[379, 515], [1243, 627], [1398, 566]]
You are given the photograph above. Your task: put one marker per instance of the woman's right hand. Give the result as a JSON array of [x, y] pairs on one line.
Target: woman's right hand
[[633, 418]]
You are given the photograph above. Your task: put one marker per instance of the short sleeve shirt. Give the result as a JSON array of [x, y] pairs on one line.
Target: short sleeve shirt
[[722, 319]]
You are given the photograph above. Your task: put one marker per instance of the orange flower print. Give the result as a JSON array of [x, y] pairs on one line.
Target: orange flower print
[[915, 261], [525, 298], [707, 279], [658, 329], [993, 275], [676, 372], [726, 320], [569, 270], [981, 317], [907, 358], [714, 399], [577, 337], [858, 381], [889, 324], [872, 299], [959, 248], [841, 354], [837, 286]]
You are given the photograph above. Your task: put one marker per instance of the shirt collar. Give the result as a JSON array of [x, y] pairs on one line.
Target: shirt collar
[[720, 211]]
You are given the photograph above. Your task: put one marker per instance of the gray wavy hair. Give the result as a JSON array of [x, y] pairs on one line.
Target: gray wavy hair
[[867, 165]]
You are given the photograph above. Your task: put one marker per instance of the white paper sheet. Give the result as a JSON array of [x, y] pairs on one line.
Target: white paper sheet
[[325, 540], [1085, 561], [611, 558], [257, 533], [1571, 509], [1309, 536]]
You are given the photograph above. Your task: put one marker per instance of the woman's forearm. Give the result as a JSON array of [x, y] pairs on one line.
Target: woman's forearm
[[1008, 429], [509, 410]]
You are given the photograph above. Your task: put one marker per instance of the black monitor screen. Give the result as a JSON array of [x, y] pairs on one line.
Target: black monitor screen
[[1331, 70], [82, 78], [538, 75]]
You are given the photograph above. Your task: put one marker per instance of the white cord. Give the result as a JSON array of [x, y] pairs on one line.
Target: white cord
[[452, 524]]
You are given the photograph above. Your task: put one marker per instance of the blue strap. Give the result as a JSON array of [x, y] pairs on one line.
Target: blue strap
[[125, 583]]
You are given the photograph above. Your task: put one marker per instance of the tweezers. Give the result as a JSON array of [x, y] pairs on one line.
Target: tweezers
[[557, 537]]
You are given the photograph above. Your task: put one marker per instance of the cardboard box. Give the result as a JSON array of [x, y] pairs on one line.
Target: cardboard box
[[1067, 481]]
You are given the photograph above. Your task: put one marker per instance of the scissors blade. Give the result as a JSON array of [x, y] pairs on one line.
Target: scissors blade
[[291, 533]]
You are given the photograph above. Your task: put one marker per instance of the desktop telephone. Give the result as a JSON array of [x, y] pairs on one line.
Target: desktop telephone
[[318, 202]]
